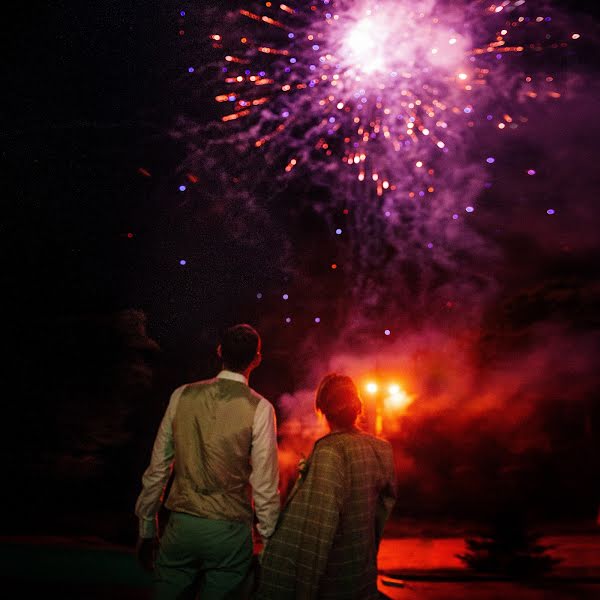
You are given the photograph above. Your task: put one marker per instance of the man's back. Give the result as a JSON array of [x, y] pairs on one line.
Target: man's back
[[219, 439], [212, 431]]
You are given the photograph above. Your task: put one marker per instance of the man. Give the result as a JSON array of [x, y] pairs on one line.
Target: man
[[220, 436]]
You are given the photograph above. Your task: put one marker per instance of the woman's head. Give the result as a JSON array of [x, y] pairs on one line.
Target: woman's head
[[338, 399]]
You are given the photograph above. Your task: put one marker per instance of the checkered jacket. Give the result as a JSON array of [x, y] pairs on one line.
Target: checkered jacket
[[325, 544]]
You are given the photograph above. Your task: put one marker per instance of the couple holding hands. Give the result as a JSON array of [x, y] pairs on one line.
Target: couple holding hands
[[219, 436]]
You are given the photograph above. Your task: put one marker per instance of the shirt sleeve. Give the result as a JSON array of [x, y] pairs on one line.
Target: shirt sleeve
[[157, 474], [264, 478]]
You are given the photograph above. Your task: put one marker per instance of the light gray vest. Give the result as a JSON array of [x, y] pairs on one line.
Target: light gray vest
[[212, 431]]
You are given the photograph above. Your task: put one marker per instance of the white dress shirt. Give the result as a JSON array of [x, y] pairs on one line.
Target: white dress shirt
[[264, 478]]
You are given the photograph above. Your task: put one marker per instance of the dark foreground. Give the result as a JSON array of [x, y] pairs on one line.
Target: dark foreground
[[411, 568]]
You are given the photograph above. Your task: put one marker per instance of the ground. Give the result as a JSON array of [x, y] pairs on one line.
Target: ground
[[418, 567]]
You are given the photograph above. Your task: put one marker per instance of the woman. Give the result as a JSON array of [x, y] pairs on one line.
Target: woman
[[326, 541]]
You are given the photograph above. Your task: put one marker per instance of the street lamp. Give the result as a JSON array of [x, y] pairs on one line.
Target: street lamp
[[373, 389], [391, 399]]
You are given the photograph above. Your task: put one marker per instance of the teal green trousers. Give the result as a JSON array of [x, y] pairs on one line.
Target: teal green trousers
[[203, 559]]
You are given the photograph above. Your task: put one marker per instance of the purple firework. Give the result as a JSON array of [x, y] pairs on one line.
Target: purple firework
[[384, 103], [384, 89]]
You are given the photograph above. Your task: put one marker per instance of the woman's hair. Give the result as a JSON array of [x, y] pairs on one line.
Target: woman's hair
[[338, 399]]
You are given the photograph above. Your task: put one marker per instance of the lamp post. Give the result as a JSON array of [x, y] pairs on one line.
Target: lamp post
[[377, 423], [393, 400]]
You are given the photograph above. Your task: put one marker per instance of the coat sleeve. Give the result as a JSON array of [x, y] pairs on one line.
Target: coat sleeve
[[319, 503]]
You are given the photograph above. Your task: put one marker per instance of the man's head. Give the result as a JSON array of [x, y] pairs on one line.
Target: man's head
[[338, 399], [240, 348]]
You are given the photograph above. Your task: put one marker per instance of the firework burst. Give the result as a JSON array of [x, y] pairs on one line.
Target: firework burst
[[389, 105], [383, 88]]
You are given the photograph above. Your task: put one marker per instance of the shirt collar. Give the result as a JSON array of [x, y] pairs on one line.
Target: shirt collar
[[225, 374]]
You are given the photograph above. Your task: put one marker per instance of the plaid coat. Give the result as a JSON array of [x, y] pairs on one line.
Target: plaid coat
[[326, 541]]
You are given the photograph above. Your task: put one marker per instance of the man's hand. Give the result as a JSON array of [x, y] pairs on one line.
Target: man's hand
[[145, 551], [261, 549]]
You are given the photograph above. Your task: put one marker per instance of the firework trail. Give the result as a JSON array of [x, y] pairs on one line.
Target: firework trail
[[385, 104]]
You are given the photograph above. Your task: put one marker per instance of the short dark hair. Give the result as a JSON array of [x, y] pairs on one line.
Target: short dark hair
[[338, 399], [239, 346]]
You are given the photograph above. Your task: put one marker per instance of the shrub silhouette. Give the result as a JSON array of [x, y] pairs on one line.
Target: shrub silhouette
[[510, 549]]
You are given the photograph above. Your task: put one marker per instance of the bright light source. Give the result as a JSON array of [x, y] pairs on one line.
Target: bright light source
[[372, 387], [397, 400], [364, 44]]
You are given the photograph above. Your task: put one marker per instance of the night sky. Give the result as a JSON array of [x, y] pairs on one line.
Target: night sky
[[128, 247]]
